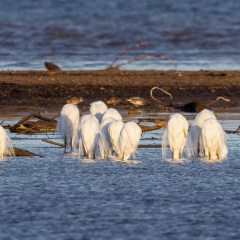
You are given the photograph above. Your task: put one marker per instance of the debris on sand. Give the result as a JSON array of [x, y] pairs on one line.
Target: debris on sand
[[44, 124]]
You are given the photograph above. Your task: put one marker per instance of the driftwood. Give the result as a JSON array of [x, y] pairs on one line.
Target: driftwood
[[159, 124], [235, 131], [150, 146], [44, 124], [139, 146], [52, 142], [24, 153]]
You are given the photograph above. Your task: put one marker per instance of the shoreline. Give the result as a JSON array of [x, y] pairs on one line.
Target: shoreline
[[43, 90]]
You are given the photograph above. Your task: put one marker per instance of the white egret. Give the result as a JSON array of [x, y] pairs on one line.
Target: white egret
[[128, 139], [105, 144], [112, 113], [195, 131], [213, 140], [114, 130], [86, 117], [68, 125], [6, 148], [97, 109], [176, 134], [89, 137], [82, 120]]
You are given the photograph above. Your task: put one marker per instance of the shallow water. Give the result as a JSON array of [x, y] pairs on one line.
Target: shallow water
[[90, 34], [60, 196]]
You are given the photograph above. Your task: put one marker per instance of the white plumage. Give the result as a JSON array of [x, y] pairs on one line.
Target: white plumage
[[129, 139], [112, 113], [195, 131], [68, 125], [84, 118], [176, 135], [114, 130], [89, 136], [105, 144], [6, 148], [97, 109], [213, 140]]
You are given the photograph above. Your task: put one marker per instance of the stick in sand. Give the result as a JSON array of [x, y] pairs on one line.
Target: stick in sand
[[171, 98]]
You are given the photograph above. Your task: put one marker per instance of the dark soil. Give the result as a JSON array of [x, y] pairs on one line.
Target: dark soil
[[31, 90]]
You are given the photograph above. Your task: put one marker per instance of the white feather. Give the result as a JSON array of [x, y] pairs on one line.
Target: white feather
[[112, 113], [97, 109], [129, 139], [195, 131], [6, 148], [68, 125], [105, 144], [89, 133], [176, 135], [213, 140], [114, 130], [82, 150]]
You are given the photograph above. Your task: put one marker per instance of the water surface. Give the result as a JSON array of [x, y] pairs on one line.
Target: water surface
[[90, 34], [60, 196]]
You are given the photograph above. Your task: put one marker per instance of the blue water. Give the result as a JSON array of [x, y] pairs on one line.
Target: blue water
[[90, 34], [60, 196]]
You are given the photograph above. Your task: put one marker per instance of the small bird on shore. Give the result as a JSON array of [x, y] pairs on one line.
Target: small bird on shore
[[138, 101], [51, 66], [75, 100], [113, 101]]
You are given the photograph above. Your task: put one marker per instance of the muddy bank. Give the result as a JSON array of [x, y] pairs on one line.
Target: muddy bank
[[30, 90]]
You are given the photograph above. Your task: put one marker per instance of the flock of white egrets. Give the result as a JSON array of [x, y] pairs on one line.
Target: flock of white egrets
[[205, 138], [102, 132]]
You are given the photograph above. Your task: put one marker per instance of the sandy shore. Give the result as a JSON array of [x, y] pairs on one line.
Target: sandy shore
[[30, 90]]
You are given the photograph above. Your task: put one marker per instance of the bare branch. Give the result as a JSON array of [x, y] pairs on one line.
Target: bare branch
[[224, 99], [20, 152], [52, 142], [146, 58], [31, 115], [235, 131], [150, 146], [127, 50]]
